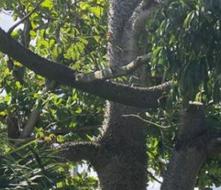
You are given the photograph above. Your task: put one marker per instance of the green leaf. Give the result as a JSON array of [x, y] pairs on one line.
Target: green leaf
[[47, 4], [188, 20]]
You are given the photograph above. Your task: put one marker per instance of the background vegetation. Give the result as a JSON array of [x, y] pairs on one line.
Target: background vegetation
[[184, 38]]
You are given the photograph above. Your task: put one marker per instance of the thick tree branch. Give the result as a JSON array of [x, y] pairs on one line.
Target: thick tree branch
[[29, 126], [190, 151], [78, 130], [133, 96], [140, 15], [35, 114], [12, 127], [77, 151], [34, 62], [135, 25]]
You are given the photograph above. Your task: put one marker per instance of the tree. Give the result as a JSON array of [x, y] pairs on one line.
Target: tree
[[161, 60]]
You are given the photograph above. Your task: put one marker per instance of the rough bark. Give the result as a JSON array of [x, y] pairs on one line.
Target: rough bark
[[77, 151], [123, 139], [124, 94], [119, 156], [190, 151]]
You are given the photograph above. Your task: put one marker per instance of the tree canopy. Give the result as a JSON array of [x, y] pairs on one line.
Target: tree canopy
[[55, 75]]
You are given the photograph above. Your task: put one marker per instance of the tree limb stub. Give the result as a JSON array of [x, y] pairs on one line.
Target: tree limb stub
[[77, 151], [133, 96]]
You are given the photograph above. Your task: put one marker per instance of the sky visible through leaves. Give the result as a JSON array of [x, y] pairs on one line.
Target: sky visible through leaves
[[6, 22]]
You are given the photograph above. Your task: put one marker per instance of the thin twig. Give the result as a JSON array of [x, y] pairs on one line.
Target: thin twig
[[146, 121], [110, 73], [153, 177], [24, 18]]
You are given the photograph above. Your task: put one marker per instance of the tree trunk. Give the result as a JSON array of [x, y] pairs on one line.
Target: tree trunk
[[123, 139], [190, 151], [124, 144]]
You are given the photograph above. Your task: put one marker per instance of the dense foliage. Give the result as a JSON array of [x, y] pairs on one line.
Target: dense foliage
[[184, 40], [73, 34]]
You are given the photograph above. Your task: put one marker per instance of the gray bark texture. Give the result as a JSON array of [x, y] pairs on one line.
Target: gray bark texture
[[119, 155], [190, 151], [123, 138]]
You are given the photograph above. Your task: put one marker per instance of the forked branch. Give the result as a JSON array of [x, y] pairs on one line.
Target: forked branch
[[133, 96], [24, 18], [110, 73]]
